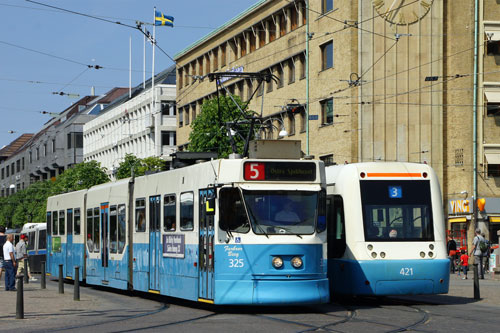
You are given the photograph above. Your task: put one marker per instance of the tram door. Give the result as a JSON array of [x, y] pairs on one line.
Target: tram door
[[69, 243], [104, 238], [206, 245], [154, 242]]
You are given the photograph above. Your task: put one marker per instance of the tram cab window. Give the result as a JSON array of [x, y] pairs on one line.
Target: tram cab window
[[54, 223], [186, 211], [61, 222], [31, 240], [96, 235], [113, 230], [140, 215], [49, 222], [169, 215], [42, 239], [77, 221], [122, 228], [90, 230], [232, 214]]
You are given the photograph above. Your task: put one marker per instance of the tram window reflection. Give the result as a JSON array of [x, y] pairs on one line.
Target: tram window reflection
[[97, 230], [169, 215], [77, 221], [232, 212], [186, 213], [113, 230], [54, 223], [61, 222], [140, 215]]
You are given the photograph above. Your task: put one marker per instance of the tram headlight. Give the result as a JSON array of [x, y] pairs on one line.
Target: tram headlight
[[431, 254], [369, 247], [431, 246], [374, 255], [296, 262], [382, 254], [277, 262], [422, 254]]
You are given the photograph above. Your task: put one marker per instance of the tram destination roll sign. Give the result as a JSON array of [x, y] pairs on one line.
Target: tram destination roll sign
[[279, 171], [173, 246]]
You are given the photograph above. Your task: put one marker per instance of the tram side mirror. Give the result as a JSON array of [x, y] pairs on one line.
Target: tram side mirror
[[210, 207]]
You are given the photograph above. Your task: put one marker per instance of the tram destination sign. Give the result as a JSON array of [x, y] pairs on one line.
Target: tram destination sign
[[280, 171]]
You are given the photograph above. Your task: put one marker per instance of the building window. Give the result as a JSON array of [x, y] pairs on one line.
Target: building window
[[272, 30], [270, 83], [179, 77], [37, 154], [243, 46], [282, 25], [293, 18], [186, 75], [251, 36], [493, 170], [327, 159], [279, 74], [18, 166], [200, 66], [44, 149], [493, 47], [181, 117], [327, 55], [291, 124], [193, 113], [223, 55], [168, 138], [302, 121], [327, 111], [492, 109], [302, 61], [304, 13], [78, 139], [30, 157], [262, 37], [22, 163], [291, 71], [207, 59], [186, 116], [3, 173], [326, 6], [53, 145]]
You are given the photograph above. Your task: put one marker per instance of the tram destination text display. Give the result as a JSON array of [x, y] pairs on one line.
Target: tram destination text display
[[280, 171]]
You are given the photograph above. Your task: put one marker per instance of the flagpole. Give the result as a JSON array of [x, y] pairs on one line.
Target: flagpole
[[153, 66]]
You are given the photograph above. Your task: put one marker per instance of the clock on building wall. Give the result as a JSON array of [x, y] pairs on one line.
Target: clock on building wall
[[402, 12]]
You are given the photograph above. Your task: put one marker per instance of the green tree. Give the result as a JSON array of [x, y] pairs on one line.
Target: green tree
[[81, 176], [32, 203], [141, 166], [209, 134]]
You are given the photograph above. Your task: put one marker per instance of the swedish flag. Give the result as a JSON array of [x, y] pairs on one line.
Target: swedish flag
[[161, 19]]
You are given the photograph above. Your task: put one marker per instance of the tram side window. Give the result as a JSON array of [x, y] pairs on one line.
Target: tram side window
[[42, 240], [97, 230], [61, 222], [77, 221], [187, 207], [232, 214], [90, 230], [113, 230], [69, 222], [49, 222], [336, 226], [122, 228], [169, 212], [54, 223], [31, 240], [140, 215]]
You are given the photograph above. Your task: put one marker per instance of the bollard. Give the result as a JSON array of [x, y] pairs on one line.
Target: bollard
[[476, 283], [76, 293], [61, 282], [26, 277], [42, 280], [20, 298]]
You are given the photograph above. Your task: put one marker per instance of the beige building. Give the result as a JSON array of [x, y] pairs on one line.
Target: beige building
[[386, 81]]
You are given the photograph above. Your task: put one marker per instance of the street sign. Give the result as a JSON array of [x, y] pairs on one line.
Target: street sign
[[313, 117]]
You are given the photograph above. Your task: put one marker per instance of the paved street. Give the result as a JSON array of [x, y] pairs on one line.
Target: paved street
[[110, 311]]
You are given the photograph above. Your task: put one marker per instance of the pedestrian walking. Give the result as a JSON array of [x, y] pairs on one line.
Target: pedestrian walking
[[3, 239], [9, 263], [477, 252], [464, 263], [452, 251], [486, 255], [21, 254]]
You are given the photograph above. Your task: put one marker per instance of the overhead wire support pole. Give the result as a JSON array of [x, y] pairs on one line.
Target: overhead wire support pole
[[307, 77]]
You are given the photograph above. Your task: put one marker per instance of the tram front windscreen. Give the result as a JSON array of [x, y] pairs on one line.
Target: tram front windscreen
[[397, 210]]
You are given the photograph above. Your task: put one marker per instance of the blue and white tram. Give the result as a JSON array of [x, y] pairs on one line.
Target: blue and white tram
[[386, 233], [37, 244], [232, 231]]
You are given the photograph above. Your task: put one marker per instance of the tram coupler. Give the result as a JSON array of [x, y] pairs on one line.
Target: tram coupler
[[26, 277], [20, 297], [61, 281], [42, 280], [76, 292]]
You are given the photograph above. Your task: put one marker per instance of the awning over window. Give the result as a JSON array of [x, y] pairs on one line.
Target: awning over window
[[492, 158], [494, 219], [457, 219], [492, 96]]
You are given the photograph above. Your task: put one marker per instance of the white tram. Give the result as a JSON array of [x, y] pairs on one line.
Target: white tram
[[386, 232]]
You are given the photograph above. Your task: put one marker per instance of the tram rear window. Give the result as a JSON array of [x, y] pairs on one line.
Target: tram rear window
[[403, 214]]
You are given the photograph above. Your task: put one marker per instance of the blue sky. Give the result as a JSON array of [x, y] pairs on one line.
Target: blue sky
[[28, 79]]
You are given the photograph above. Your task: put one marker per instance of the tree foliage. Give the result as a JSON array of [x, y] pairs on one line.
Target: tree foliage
[[209, 133], [141, 166]]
